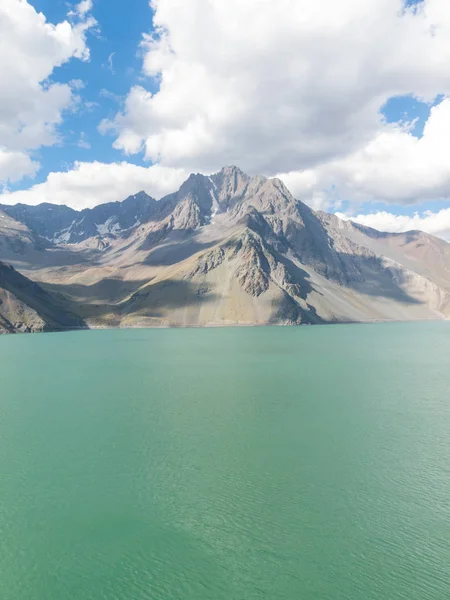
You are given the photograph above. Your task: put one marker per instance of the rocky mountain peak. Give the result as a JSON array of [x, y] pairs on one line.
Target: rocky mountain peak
[[232, 171], [192, 205], [230, 185], [195, 181], [139, 199]]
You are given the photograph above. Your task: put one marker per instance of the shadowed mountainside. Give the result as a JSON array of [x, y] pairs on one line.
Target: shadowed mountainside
[[25, 306]]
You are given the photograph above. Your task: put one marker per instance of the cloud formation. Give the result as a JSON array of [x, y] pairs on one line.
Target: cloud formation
[[394, 166], [84, 7], [31, 106], [284, 87], [90, 183]]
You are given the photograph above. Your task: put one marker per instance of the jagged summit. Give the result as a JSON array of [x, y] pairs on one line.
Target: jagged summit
[[228, 248], [202, 195]]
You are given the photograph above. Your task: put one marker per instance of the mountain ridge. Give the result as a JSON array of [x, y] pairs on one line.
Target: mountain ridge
[[225, 249]]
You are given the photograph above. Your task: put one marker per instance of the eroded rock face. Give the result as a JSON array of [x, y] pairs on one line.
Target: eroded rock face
[[253, 268], [209, 261], [187, 215], [230, 186]]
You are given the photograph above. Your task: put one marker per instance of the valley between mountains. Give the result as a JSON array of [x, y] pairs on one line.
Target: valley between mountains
[[228, 249]]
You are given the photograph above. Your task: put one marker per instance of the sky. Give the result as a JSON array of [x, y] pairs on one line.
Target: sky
[[348, 102]]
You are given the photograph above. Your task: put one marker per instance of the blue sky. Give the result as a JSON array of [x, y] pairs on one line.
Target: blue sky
[[341, 117], [119, 34]]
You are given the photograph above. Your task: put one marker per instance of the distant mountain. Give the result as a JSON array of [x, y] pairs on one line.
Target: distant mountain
[[62, 225], [225, 249], [26, 307]]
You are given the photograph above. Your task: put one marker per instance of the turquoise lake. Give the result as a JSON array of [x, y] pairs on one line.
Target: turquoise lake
[[292, 463]]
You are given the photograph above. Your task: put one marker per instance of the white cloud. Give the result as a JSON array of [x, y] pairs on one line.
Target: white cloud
[[31, 106], [89, 184], [82, 8], [436, 223], [395, 166], [280, 86], [15, 165]]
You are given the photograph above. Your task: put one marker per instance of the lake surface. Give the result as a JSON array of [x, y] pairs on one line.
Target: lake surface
[[226, 464]]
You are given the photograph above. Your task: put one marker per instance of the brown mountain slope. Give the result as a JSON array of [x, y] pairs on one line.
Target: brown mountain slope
[[26, 307], [419, 251], [234, 249]]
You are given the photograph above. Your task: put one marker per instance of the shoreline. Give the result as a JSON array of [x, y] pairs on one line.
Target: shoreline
[[223, 326]]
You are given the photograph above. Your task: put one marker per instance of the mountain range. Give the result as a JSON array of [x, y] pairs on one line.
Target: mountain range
[[225, 249]]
